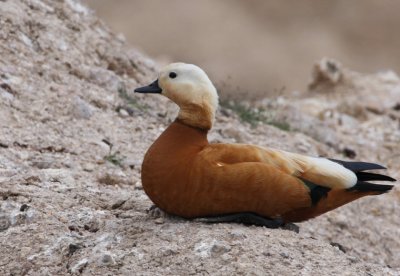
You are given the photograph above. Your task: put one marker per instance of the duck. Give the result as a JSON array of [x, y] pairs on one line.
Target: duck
[[186, 176]]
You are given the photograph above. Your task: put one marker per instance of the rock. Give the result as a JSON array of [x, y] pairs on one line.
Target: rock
[[4, 222], [32, 179], [339, 246], [378, 91], [72, 248], [88, 167], [238, 234], [93, 225], [115, 177], [219, 248], [3, 144], [79, 266], [212, 248], [350, 153], [81, 109], [118, 203], [42, 163], [284, 255], [61, 179], [24, 207], [123, 113], [326, 71], [107, 259], [156, 212]]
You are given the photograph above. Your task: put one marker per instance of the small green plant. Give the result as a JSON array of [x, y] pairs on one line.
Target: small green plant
[[246, 114], [253, 115], [281, 125], [115, 157]]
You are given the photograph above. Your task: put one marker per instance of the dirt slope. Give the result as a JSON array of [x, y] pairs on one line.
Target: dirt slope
[[72, 138]]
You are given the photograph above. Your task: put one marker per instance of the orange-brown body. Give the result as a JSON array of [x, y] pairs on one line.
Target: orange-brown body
[[186, 176]]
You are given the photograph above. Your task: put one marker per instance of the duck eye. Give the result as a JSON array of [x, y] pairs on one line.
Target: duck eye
[[173, 75]]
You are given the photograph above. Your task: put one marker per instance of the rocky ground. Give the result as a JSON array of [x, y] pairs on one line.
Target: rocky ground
[[73, 137]]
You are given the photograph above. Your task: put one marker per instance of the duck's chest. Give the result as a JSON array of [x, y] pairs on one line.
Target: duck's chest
[[167, 164]]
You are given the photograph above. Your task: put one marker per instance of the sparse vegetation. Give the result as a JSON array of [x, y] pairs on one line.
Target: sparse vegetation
[[281, 125], [115, 157], [254, 115]]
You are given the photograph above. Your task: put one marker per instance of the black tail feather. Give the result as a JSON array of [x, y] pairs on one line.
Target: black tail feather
[[370, 187], [365, 176], [359, 166]]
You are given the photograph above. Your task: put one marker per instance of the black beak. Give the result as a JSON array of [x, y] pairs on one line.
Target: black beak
[[151, 88]]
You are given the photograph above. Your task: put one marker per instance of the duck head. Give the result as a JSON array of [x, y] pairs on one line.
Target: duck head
[[190, 88]]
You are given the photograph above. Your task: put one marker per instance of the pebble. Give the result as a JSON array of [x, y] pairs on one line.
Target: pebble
[[80, 266], [284, 255], [88, 167], [32, 179], [267, 254], [219, 248], [3, 145], [326, 70], [24, 207], [123, 113], [118, 203], [4, 222], [238, 234], [72, 248], [116, 177], [211, 248], [93, 225], [42, 163], [338, 246], [81, 109], [353, 259], [107, 259], [168, 252]]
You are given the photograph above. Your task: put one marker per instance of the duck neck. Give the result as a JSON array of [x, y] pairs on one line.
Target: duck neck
[[180, 137], [197, 116]]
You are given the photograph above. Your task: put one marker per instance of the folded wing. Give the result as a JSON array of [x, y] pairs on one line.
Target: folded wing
[[333, 174]]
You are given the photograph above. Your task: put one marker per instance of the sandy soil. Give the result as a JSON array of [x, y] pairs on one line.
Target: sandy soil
[[73, 138]]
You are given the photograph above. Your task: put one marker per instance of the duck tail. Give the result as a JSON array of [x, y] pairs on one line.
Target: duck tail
[[325, 200], [334, 199], [359, 169], [362, 186]]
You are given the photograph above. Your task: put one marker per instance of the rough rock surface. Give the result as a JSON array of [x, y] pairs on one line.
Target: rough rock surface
[[72, 141]]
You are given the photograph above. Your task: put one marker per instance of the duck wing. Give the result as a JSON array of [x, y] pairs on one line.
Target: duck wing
[[332, 174], [276, 183], [244, 186]]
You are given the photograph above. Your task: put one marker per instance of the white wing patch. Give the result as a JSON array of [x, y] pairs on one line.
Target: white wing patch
[[323, 172]]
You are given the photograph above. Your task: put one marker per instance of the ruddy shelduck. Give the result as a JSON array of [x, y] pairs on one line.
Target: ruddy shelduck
[[185, 175]]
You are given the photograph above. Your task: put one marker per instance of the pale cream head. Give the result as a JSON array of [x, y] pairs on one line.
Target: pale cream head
[[190, 88]]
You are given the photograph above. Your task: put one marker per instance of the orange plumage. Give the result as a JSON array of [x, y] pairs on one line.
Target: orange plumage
[[186, 176]]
